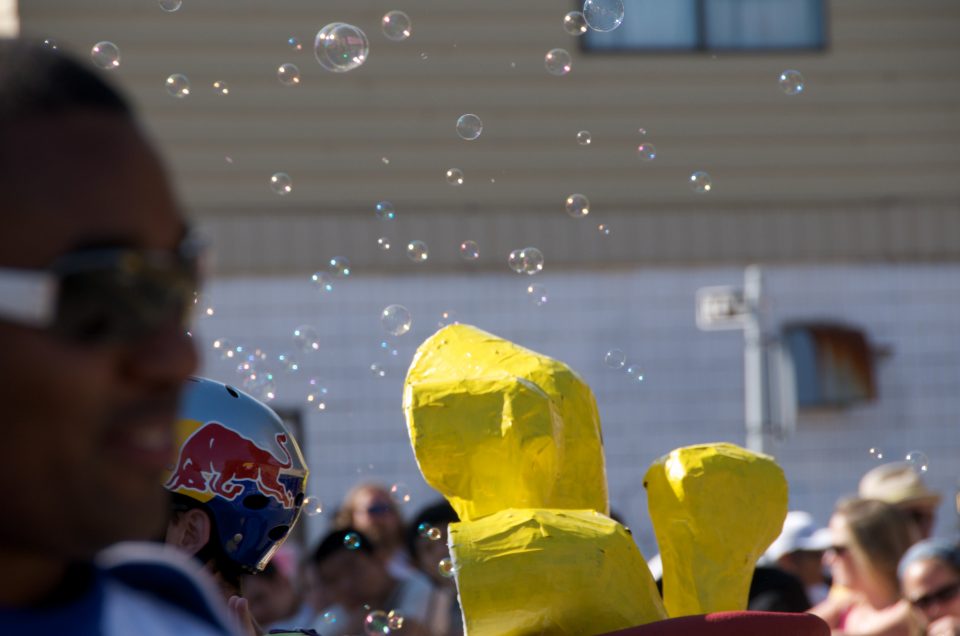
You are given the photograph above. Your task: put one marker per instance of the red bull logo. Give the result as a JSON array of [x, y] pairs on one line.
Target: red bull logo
[[215, 459]]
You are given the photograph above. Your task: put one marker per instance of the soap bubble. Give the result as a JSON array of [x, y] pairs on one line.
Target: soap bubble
[[445, 567], [574, 23], [294, 43], [448, 317], [386, 346], [221, 88], [352, 541], [604, 229], [289, 362], [170, 5], [876, 453], [322, 281], [396, 26], [635, 373], [339, 266], [417, 251], [469, 127], [377, 370], [557, 62], [584, 138], [340, 47], [532, 260], [386, 211], [306, 338], [400, 493], [375, 623], [424, 529], [791, 82], [224, 348], [647, 151], [469, 250], [50, 43], [329, 618], [701, 182], [106, 55], [395, 320], [178, 85], [918, 461], [383, 244], [281, 183], [537, 294], [515, 262], [260, 385], [455, 176], [615, 359], [312, 506], [603, 15], [578, 206], [288, 74], [395, 619]]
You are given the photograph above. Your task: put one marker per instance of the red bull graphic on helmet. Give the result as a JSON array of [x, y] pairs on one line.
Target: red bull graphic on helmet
[[215, 459]]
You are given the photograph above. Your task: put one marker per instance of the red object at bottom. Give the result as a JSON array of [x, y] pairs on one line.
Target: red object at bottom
[[733, 624]]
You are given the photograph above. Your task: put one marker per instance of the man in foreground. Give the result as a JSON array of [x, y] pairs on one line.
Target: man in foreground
[[97, 271]]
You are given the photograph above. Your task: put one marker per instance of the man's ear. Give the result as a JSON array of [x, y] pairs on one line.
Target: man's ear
[[190, 531]]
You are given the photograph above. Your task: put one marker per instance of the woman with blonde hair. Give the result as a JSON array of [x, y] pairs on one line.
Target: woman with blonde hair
[[369, 508], [869, 537]]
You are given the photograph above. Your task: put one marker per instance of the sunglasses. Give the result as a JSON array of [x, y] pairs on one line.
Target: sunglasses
[[105, 295], [379, 509], [839, 550], [944, 595]]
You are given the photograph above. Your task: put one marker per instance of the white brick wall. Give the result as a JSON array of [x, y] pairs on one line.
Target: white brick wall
[[694, 380]]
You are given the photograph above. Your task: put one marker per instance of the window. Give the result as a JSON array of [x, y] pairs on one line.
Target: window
[[832, 364], [714, 25]]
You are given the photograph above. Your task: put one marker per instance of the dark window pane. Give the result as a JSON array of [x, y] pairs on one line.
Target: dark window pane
[[760, 24], [650, 24]]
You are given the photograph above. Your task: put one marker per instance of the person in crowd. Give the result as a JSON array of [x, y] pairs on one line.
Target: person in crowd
[[369, 508], [275, 601], [97, 274], [799, 551], [869, 537], [930, 579], [238, 482], [427, 541], [362, 588], [897, 483]]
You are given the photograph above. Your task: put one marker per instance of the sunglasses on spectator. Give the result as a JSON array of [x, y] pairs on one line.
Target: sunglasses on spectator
[[112, 295], [379, 509], [944, 595], [839, 550]]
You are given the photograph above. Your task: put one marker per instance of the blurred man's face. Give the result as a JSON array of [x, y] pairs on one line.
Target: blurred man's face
[[375, 516], [353, 578], [88, 427], [933, 588]]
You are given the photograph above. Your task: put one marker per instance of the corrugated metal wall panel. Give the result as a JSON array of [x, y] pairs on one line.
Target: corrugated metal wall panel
[[871, 146]]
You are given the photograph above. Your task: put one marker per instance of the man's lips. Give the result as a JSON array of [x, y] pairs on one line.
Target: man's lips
[[142, 434]]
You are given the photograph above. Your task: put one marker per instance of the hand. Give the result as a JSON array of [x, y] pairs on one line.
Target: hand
[[240, 611], [944, 626]]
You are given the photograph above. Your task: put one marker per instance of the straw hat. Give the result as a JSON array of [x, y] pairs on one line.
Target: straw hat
[[897, 484]]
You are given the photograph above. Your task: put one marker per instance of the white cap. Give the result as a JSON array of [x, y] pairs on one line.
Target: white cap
[[799, 533]]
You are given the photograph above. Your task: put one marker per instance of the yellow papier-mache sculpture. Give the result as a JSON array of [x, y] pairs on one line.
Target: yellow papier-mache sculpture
[[512, 439]]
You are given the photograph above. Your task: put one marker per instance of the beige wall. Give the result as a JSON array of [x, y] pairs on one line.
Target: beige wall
[[862, 166]]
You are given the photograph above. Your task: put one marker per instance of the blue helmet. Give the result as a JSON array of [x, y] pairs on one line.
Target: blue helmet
[[236, 457]]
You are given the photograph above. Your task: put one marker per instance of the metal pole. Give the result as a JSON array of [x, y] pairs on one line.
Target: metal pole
[[754, 360]]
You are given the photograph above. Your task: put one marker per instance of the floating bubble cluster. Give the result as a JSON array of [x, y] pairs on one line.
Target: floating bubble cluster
[[395, 619], [527, 260]]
